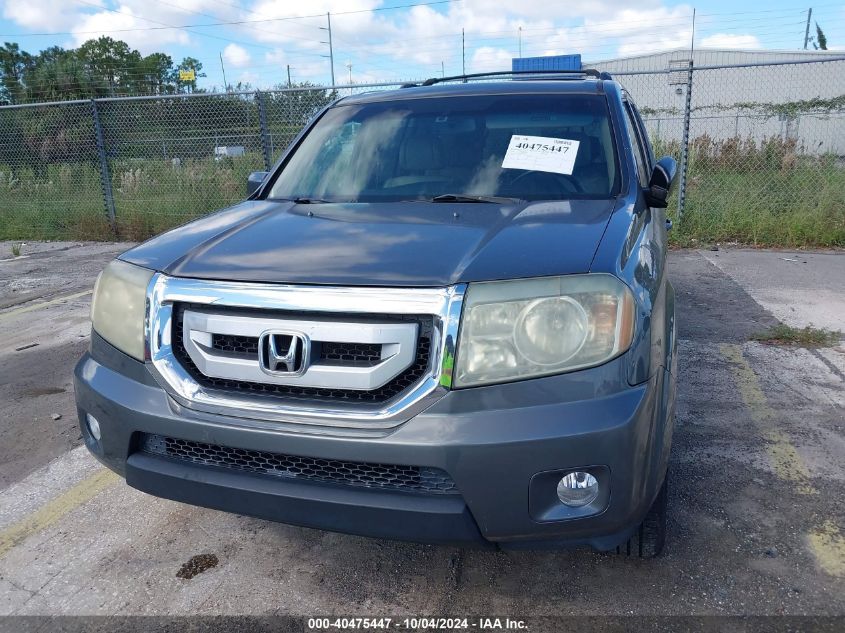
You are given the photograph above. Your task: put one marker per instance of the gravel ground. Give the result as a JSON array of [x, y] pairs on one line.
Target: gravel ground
[[40, 346]]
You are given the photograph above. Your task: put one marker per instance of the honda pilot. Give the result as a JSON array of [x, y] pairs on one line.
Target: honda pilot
[[444, 316]]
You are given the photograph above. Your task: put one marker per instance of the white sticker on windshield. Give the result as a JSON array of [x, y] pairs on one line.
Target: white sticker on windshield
[[541, 153]]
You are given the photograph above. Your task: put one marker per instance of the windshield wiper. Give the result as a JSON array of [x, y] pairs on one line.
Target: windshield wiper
[[300, 200], [304, 200], [457, 197]]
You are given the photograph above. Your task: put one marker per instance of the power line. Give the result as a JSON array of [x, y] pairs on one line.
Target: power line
[[162, 26], [214, 17], [230, 23]]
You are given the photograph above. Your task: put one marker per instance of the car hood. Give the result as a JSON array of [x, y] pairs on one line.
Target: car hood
[[385, 244]]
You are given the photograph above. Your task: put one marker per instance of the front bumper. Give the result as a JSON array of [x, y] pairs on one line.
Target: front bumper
[[500, 444]]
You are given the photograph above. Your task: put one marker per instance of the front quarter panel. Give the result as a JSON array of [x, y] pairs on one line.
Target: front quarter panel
[[634, 248]]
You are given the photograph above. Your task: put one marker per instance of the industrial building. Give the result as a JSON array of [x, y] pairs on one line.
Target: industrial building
[[749, 95]]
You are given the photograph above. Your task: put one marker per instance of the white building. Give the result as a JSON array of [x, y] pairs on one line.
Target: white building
[[751, 94]]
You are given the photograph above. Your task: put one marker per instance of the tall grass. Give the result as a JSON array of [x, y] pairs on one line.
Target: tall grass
[[149, 196], [770, 194], [766, 194]]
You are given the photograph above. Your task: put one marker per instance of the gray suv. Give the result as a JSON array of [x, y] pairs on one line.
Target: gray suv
[[444, 317]]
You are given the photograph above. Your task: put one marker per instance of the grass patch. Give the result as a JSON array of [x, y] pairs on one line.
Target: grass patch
[[809, 336], [16, 250], [766, 194], [66, 202]]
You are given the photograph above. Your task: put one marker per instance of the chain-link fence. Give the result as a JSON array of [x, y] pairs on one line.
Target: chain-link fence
[[761, 147], [765, 146]]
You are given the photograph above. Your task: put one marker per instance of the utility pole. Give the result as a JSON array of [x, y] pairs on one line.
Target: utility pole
[[807, 30], [331, 48], [442, 69], [289, 83], [682, 188], [223, 68], [520, 42], [463, 53]]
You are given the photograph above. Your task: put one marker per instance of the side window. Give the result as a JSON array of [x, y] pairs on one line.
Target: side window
[[639, 153], [648, 149]]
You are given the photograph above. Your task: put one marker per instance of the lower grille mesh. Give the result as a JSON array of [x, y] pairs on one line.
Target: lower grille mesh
[[417, 479]]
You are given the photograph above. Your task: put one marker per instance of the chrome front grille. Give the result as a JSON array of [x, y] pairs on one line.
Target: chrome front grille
[[417, 479], [336, 355], [355, 358]]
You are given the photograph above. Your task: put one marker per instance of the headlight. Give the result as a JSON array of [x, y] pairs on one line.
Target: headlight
[[535, 327], [119, 306]]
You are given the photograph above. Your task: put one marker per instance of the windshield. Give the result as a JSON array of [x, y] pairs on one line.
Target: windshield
[[530, 147]]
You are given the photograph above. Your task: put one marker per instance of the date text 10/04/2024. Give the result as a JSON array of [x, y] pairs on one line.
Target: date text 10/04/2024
[[416, 624]]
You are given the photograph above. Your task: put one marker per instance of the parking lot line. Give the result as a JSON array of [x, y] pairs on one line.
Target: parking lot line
[[826, 541], [54, 510], [785, 460], [828, 546], [43, 304]]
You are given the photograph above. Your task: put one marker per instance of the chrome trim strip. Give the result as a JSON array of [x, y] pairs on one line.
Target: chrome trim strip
[[444, 304]]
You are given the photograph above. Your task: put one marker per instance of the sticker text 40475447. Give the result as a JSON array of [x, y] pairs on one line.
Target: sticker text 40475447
[[541, 153]]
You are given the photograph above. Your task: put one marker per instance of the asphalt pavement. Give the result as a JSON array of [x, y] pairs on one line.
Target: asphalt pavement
[[757, 491]]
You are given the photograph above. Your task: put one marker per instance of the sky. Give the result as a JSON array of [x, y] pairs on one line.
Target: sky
[[386, 40]]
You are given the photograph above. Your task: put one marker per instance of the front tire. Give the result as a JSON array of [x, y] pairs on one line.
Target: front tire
[[650, 537]]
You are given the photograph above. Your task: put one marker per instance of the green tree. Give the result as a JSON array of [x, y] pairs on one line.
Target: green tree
[[189, 63], [155, 75], [55, 73], [102, 67], [13, 65], [110, 64], [821, 40]]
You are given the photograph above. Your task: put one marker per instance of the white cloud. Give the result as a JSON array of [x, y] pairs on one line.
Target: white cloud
[[309, 32], [236, 56], [382, 45], [137, 22], [92, 25], [43, 14], [249, 78], [488, 59], [729, 40]]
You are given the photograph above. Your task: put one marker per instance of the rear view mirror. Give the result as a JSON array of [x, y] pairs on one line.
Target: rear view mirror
[[660, 183], [254, 182]]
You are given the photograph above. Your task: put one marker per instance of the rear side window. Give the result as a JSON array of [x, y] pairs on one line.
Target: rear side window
[[533, 147], [637, 145]]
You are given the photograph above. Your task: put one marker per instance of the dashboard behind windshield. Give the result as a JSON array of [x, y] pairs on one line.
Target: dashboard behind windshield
[[530, 147]]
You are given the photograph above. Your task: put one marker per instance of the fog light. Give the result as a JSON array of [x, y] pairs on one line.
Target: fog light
[[93, 426], [577, 489]]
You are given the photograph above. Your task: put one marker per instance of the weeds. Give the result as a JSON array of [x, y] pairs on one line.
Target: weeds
[[769, 193], [16, 250], [150, 197], [809, 336]]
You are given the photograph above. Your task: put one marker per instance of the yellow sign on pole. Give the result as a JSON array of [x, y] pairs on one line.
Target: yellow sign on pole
[[187, 75]]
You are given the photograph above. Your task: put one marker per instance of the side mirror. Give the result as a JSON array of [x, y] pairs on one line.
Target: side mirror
[[660, 183], [253, 183]]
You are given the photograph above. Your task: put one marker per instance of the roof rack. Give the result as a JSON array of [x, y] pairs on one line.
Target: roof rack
[[567, 75]]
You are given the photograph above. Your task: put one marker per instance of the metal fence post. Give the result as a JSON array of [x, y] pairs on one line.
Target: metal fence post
[[265, 135], [105, 175], [682, 187]]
